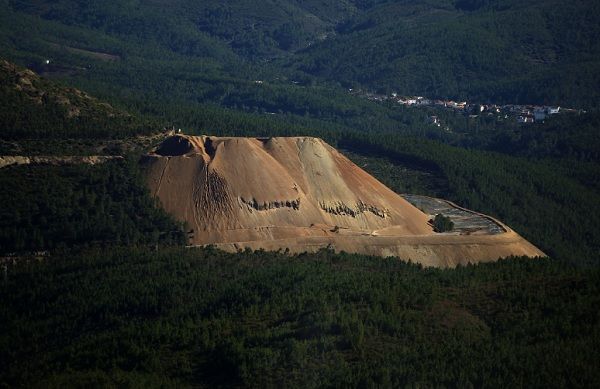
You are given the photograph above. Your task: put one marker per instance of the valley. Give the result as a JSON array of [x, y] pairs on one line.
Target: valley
[[252, 194]]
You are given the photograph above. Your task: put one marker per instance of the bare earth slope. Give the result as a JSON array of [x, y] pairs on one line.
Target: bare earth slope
[[301, 194]]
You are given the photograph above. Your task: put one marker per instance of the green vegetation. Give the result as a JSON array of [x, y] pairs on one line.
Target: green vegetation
[[442, 223], [182, 317], [550, 197], [501, 51], [47, 208], [545, 187], [553, 203], [33, 107], [95, 313]]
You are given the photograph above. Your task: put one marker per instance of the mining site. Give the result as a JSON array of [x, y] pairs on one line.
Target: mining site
[[299, 194]]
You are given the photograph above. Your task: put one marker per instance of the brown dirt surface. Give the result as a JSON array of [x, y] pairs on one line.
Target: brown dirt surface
[[301, 194]]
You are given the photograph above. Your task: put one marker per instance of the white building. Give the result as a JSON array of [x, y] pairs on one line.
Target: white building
[[553, 111], [525, 119]]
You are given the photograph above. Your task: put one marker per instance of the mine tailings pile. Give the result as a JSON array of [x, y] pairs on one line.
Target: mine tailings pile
[[300, 194]]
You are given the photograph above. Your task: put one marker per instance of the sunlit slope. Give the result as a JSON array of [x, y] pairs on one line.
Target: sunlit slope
[[300, 194]]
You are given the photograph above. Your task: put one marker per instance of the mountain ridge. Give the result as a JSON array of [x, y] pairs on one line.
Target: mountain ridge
[[502, 51]]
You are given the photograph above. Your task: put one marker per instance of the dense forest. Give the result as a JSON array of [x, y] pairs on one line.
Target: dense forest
[[178, 317], [501, 51], [97, 289], [35, 108], [507, 51], [57, 207]]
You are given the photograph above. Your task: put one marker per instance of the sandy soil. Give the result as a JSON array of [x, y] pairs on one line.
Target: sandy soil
[[301, 194]]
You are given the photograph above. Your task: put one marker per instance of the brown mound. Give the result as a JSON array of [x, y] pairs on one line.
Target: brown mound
[[300, 194]]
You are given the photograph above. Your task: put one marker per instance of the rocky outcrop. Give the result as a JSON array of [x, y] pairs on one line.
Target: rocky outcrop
[[265, 206], [342, 209], [32, 87]]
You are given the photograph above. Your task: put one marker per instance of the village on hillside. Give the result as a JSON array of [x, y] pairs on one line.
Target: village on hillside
[[524, 114]]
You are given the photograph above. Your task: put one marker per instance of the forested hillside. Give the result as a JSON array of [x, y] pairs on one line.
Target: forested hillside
[[165, 62], [32, 107], [182, 317], [550, 197], [49, 208], [501, 51], [97, 290], [544, 52]]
